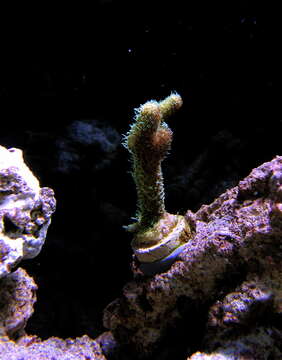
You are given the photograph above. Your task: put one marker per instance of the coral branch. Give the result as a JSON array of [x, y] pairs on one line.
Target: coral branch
[[148, 141], [157, 233]]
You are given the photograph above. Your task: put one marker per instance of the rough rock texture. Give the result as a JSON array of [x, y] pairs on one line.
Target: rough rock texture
[[17, 297], [227, 284], [261, 344], [25, 211], [31, 347]]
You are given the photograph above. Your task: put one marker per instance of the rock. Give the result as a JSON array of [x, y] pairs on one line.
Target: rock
[[227, 281], [108, 344], [25, 211], [258, 345], [17, 297], [31, 347]]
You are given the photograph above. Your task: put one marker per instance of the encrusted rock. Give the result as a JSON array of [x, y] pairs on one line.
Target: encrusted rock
[[258, 345], [31, 347], [108, 344], [25, 211], [228, 277], [17, 297]]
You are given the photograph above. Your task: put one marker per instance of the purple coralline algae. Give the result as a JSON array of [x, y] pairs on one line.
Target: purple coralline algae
[[226, 286], [17, 297], [31, 347]]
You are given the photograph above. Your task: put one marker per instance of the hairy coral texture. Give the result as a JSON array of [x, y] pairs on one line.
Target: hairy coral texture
[[157, 233], [148, 141]]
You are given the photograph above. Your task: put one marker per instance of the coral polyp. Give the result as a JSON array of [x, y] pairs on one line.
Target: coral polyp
[[157, 233]]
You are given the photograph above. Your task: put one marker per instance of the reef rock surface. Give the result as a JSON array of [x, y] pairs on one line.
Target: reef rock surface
[[224, 295], [25, 211], [17, 297], [31, 347]]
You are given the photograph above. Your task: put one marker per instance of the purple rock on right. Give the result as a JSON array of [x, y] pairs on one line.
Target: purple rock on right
[[223, 297]]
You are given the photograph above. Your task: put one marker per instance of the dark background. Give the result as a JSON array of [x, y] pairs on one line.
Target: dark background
[[69, 81]]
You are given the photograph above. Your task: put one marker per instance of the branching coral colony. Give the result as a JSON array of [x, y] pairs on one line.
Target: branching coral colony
[[158, 235]]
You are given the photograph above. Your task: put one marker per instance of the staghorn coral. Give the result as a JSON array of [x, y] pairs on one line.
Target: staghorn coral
[[157, 233]]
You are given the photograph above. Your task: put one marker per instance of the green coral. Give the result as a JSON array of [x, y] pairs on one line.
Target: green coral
[[148, 141]]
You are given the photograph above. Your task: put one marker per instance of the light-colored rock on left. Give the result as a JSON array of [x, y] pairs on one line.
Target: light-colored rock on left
[[25, 211]]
